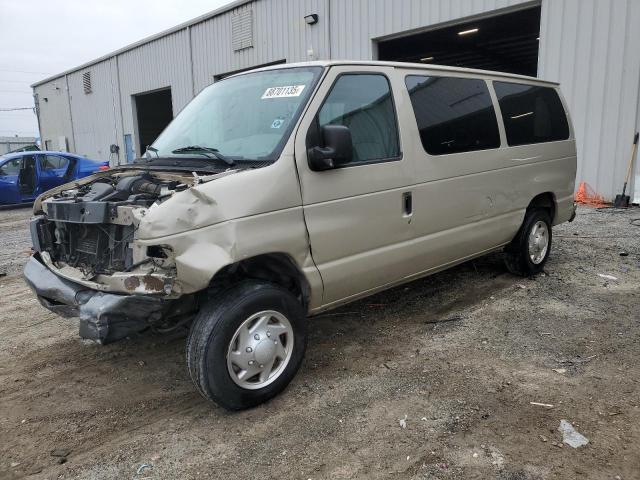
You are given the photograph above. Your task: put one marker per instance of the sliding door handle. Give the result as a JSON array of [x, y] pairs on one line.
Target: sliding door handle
[[407, 204]]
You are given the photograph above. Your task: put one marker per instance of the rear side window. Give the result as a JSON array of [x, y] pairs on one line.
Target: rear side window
[[52, 162], [531, 114], [363, 103], [454, 114]]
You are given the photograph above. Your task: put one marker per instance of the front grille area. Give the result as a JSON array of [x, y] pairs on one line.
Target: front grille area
[[92, 248]]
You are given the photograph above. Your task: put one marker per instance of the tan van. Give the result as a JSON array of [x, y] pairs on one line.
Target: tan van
[[280, 193]]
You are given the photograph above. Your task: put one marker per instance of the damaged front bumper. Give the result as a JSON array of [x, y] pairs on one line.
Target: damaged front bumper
[[104, 317]]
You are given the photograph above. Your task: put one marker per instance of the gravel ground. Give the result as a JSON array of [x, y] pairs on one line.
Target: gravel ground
[[431, 380]]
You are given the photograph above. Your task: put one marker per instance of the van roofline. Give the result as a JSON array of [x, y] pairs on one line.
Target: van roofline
[[405, 65]]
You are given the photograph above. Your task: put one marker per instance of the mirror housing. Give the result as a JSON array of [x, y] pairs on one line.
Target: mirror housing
[[338, 149]]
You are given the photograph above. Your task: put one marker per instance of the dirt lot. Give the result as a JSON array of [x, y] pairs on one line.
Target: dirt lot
[[459, 355]]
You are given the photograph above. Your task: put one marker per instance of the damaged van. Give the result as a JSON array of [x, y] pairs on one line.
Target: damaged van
[[283, 192]]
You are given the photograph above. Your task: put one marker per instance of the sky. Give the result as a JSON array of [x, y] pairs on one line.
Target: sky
[[40, 38]]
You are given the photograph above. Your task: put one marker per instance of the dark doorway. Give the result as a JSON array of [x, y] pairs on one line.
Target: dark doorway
[[505, 43], [154, 112]]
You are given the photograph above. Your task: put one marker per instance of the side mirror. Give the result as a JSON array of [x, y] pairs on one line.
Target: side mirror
[[338, 148]]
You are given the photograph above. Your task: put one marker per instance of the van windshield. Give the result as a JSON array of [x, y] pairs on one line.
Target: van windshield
[[248, 117]]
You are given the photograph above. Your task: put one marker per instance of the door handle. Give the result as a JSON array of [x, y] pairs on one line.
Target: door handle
[[407, 204]]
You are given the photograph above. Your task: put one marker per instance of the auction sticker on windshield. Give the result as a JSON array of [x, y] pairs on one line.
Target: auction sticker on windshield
[[282, 92]]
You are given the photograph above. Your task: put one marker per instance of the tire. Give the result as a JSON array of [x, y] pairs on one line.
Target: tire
[[211, 357], [518, 255]]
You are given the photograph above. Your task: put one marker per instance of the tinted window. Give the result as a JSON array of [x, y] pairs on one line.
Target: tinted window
[[12, 167], [531, 114], [52, 162], [364, 104], [453, 114]]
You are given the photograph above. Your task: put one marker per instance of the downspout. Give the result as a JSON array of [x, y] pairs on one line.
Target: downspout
[[36, 103], [73, 134], [124, 147], [115, 117]]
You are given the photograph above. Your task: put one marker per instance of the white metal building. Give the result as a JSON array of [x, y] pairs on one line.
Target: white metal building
[[114, 106]]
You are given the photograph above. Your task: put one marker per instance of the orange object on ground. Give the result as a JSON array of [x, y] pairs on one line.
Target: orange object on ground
[[588, 196]]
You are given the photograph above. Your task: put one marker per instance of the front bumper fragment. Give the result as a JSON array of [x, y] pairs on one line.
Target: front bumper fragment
[[104, 317]]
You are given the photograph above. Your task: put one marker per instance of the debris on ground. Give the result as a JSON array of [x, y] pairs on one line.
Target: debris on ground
[[538, 404], [142, 468], [607, 276], [403, 422], [570, 435], [561, 371], [497, 459]]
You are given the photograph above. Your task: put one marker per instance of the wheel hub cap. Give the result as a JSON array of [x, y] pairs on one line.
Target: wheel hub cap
[[538, 242], [260, 350]]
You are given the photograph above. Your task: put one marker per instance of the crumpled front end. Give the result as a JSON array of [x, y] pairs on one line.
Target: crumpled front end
[[104, 317], [88, 262]]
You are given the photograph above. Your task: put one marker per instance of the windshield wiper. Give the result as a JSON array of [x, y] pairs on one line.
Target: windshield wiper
[[154, 150], [204, 150]]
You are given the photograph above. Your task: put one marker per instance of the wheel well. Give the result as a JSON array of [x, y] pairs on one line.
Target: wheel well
[[545, 200], [276, 268]]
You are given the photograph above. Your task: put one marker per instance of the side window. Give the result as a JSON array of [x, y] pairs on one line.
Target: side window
[[454, 115], [52, 162], [12, 167], [363, 103], [531, 114]]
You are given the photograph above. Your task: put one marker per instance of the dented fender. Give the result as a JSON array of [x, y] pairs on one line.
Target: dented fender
[[199, 263]]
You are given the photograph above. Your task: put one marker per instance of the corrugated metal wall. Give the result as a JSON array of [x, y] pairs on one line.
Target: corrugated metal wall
[[165, 62], [96, 115], [592, 48], [280, 33]]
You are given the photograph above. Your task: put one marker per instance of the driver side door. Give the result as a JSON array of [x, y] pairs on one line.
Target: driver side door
[[357, 213], [9, 171]]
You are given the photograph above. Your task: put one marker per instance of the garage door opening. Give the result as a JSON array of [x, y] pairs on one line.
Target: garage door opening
[[505, 43], [154, 111]]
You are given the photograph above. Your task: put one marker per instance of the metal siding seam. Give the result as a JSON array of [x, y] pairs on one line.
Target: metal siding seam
[[603, 107]]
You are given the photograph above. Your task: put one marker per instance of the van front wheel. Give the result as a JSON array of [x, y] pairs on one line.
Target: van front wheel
[[245, 346], [529, 250]]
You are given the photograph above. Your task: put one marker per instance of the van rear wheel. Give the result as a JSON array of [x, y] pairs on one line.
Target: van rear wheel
[[245, 346], [529, 250]]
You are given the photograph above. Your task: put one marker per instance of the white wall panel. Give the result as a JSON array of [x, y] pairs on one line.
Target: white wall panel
[[96, 115], [591, 48], [54, 115]]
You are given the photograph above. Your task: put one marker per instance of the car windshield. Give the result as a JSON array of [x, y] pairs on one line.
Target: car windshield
[[248, 117]]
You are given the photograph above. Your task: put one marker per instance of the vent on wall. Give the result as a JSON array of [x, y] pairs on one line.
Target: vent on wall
[[242, 29], [86, 82]]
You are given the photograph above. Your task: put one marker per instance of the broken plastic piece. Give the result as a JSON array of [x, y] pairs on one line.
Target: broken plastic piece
[[570, 436]]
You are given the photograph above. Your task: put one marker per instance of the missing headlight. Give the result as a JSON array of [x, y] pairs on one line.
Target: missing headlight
[[156, 251]]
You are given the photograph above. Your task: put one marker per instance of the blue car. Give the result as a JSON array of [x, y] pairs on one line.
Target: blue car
[[25, 175]]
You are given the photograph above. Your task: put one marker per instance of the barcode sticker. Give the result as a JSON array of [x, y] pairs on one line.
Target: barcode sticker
[[283, 92]]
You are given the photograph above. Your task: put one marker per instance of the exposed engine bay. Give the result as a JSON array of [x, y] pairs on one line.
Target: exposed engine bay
[[91, 227]]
